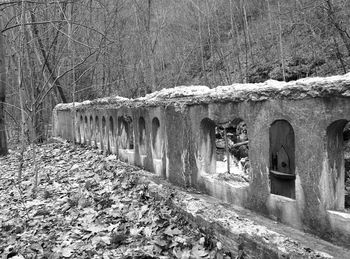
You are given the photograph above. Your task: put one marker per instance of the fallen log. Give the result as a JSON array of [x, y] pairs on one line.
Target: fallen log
[[239, 144]]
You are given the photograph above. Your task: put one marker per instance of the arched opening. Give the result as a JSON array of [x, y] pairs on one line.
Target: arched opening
[[156, 139], [125, 132], [86, 132], [97, 132], [78, 130], [142, 136], [282, 159], [231, 141], [92, 142], [346, 138], [207, 148], [224, 149], [104, 134], [338, 149], [131, 133], [111, 135], [81, 126]]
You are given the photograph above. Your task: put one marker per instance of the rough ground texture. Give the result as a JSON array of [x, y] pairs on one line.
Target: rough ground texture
[[91, 206], [186, 95], [242, 232]]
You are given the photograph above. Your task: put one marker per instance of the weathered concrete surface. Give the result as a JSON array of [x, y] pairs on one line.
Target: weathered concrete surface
[[315, 187], [316, 109], [317, 87], [241, 230]]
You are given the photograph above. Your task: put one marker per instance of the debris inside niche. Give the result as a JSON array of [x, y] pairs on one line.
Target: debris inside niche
[[232, 161]]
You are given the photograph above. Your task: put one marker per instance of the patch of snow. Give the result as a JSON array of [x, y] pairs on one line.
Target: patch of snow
[[111, 99], [312, 87], [177, 92]]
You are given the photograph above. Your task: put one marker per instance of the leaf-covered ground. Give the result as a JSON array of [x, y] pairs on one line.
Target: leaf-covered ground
[[88, 205]]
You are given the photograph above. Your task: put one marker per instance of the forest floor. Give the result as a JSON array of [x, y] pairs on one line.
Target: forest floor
[[88, 205]]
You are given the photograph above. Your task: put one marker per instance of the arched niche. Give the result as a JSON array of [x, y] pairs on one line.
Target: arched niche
[[86, 132], [156, 139], [78, 129], [206, 148], [97, 132], [232, 146], [142, 136], [282, 159], [223, 150], [81, 129], [346, 138], [104, 134], [111, 135], [338, 150], [92, 142], [125, 131]]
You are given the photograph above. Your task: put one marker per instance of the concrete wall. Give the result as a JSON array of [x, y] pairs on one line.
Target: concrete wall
[[177, 144], [319, 188]]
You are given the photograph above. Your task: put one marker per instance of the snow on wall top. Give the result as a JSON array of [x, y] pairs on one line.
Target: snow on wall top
[[187, 95]]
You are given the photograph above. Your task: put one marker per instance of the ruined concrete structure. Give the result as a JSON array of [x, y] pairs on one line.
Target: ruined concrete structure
[[295, 134]]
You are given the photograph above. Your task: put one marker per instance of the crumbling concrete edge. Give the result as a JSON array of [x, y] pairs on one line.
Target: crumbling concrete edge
[[181, 96], [237, 233]]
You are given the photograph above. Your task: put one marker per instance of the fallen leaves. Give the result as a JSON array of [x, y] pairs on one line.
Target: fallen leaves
[[88, 206]]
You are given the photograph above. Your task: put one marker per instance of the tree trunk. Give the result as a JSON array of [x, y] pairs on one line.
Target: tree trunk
[[72, 61], [3, 141], [151, 48], [212, 83], [281, 41], [270, 19], [51, 72], [338, 24], [22, 91], [235, 43], [201, 44], [339, 55]]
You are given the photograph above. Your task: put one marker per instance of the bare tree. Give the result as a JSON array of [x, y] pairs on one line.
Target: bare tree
[[281, 41], [338, 24], [3, 139]]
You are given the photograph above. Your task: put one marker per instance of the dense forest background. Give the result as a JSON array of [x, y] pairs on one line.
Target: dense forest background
[[64, 50]]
